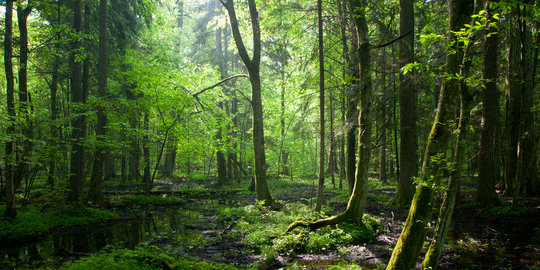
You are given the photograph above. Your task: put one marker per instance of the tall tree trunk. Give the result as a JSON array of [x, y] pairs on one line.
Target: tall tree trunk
[[447, 208], [169, 163], [342, 5], [320, 193], [95, 190], [220, 156], [486, 194], [146, 150], [25, 107], [284, 154], [409, 245], [54, 107], [431, 258], [352, 111], [332, 160], [358, 198], [77, 122], [407, 100], [9, 147], [513, 100], [253, 66], [382, 172], [134, 152], [527, 148]]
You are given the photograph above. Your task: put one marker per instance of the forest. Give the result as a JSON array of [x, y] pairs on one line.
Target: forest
[[269, 134]]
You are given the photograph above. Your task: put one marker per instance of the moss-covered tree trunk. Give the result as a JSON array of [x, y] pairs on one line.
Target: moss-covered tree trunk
[[409, 245], [357, 201]]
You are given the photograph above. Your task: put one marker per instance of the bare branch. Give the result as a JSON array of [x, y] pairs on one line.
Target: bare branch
[[221, 82], [392, 41]]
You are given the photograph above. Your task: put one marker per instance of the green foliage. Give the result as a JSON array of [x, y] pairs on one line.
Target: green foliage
[[144, 257], [263, 230], [147, 200], [36, 220], [508, 211]]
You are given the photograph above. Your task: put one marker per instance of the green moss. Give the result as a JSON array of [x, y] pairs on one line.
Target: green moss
[[263, 230], [36, 220], [147, 257]]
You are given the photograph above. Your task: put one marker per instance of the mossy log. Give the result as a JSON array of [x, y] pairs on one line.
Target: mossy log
[[338, 219]]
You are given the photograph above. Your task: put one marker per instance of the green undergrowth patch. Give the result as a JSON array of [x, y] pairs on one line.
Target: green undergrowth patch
[[508, 211], [263, 229], [143, 257], [146, 200], [37, 219]]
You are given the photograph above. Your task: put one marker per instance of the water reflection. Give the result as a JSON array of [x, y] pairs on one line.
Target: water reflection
[[88, 239]]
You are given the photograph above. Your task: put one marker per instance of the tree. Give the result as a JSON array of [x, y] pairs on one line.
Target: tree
[[409, 244], [407, 100], [220, 156], [253, 67], [358, 198], [486, 194], [77, 145], [10, 100], [320, 193], [94, 192]]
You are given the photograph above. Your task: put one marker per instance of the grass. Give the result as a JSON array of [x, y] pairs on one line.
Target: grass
[[37, 219]]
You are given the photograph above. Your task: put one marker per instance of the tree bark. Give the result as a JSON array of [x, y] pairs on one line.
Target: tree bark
[[53, 142], [253, 66], [9, 146], [527, 153], [383, 122], [95, 190], [352, 98], [320, 190], [25, 108], [409, 245], [407, 100], [146, 150], [77, 148], [220, 156], [485, 192], [513, 100]]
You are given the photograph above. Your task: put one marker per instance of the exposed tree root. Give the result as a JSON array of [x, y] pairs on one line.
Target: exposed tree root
[[338, 219]]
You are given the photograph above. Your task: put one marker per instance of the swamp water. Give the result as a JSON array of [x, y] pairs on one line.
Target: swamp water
[[183, 229]]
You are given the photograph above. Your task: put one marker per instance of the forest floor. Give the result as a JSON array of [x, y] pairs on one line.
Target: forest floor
[[184, 217], [503, 237]]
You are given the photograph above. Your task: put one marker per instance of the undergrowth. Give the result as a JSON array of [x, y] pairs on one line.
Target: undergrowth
[[37, 219], [143, 257], [146, 200], [263, 229]]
